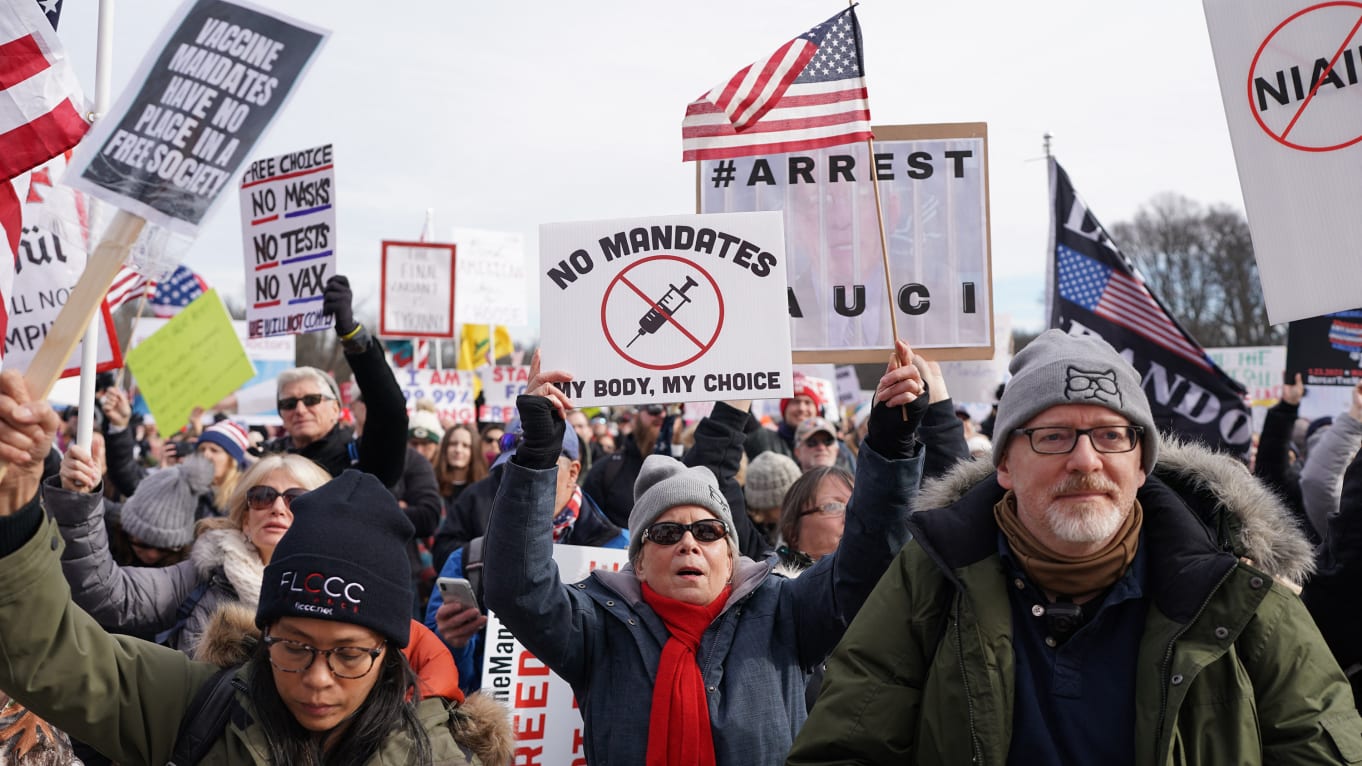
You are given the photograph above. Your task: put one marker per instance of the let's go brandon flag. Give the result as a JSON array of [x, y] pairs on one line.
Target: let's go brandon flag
[[1095, 289]]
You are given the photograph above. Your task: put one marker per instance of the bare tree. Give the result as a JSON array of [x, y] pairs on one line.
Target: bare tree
[[1199, 261]]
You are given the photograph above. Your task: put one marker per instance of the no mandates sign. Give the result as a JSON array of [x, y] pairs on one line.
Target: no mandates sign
[[1291, 80], [667, 309]]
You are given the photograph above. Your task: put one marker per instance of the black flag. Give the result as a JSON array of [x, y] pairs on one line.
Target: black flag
[[1095, 289]]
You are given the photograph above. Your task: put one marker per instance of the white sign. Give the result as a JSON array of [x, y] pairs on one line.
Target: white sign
[[200, 100], [848, 386], [1289, 77], [417, 295], [451, 391], [933, 182], [501, 384], [548, 726], [492, 278], [288, 223], [671, 308], [1258, 369]]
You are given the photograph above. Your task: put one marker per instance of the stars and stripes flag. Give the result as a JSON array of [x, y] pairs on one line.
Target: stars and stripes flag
[[40, 117], [176, 291], [809, 94], [1096, 289], [129, 285]]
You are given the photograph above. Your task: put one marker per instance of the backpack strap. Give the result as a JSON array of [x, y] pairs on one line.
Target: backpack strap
[[171, 635], [206, 717], [472, 567]]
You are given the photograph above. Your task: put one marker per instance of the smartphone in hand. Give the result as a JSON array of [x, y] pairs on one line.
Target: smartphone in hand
[[457, 590]]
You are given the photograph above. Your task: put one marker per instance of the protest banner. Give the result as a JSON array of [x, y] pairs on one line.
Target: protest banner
[[1326, 350], [53, 249], [1288, 72], [194, 360], [669, 308], [416, 296], [545, 719], [933, 182], [288, 221], [257, 399], [491, 278], [451, 391], [200, 100], [501, 384], [1259, 370]]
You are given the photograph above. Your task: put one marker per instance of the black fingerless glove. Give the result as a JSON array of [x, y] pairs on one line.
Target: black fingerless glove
[[889, 433], [543, 431]]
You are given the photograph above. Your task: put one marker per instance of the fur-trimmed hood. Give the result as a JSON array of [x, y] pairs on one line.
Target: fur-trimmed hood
[[479, 723], [228, 550], [1261, 528]]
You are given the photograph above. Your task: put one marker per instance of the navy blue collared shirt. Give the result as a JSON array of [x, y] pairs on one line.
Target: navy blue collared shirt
[[1075, 697]]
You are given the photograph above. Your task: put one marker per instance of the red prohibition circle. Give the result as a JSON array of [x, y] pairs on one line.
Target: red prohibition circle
[[1253, 67], [704, 347]]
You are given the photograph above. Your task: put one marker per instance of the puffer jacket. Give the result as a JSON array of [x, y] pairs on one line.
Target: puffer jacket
[[756, 657], [147, 600], [1230, 667], [126, 697]]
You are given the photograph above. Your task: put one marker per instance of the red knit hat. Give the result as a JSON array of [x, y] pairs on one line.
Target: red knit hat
[[802, 388]]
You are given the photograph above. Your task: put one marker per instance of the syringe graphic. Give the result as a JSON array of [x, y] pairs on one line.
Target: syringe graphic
[[673, 300]]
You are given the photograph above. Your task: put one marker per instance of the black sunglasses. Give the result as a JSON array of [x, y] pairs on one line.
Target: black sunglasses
[[653, 409], [261, 497], [288, 403], [670, 532]]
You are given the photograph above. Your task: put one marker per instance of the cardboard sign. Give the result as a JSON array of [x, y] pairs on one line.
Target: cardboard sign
[[492, 278], [671, 308], [933, 182], [548, 726], [451, 391], [200, 100], [53, 249], [288, 222], [1289, 79], [417, 295], [501, 385], [194, 360]]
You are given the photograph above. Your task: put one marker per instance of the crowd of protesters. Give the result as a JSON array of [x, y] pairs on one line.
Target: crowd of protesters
[[752, 546]]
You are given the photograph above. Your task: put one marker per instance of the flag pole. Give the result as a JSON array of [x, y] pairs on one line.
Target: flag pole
[[147, 287]]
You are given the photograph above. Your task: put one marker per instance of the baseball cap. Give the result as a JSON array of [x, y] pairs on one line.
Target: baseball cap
[[813, 425]]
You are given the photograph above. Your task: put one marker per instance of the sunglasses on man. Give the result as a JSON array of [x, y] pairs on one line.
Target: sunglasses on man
[[288, 403]]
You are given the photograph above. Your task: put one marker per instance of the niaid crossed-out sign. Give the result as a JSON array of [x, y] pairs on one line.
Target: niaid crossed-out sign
[[671, 308]]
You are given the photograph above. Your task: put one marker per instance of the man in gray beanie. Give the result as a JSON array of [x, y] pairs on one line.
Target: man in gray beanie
[[1095, 595]]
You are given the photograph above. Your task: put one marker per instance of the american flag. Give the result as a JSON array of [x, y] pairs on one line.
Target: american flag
[[408, 353], [1123, 300], [809, 94], [127, 286], [177, 291], [1345, 336], [40, 117]]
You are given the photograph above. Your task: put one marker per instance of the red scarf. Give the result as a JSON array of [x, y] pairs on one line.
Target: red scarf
[[678, 727]]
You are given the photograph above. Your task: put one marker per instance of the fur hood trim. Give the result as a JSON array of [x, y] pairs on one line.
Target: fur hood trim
[[230, 551], [229, 638], [483, 725], [1263, 529]]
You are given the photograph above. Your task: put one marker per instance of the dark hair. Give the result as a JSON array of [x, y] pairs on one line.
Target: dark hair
[[802, 493], [384, 711]]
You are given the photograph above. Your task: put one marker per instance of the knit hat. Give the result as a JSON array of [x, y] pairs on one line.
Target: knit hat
[[1057, 368], [231, 437], [664, 483], [769, 477], [423, 424], [161, 512], [344, 559], [802, 388]]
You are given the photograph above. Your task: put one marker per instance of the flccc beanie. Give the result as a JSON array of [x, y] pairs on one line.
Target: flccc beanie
[[1057, 368], [664, 483], [161, 512], [344, 559]]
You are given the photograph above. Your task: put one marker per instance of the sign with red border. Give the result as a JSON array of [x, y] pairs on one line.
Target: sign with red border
[[416, 299]]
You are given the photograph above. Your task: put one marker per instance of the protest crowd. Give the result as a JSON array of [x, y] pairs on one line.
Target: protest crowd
[[397, 563]]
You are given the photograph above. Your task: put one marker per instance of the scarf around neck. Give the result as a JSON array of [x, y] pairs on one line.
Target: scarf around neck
[[1069, 575], [678, 725], [566, 517]]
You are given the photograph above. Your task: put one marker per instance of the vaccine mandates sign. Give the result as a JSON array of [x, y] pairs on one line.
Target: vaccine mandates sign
[[671, 308]]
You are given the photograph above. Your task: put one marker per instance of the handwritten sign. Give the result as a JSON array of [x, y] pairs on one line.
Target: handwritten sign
[[492, 279], [195, 360], [451, 391], [200, 100], [416, 299], [288, 221], [548, 726]]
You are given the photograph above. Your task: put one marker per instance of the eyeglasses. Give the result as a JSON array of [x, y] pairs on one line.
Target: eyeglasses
[[819, 439], [288, 403], [670, 532], [261, 497], [1061, 440], [831, 508], [343, 661], [652, 409]]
